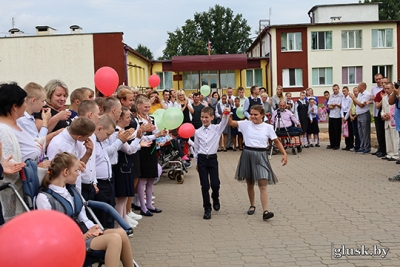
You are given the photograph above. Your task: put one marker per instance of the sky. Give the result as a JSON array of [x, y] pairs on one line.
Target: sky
[[143, 22]]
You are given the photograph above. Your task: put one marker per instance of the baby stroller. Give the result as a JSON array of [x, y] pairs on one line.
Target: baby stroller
[[170, 161], [290, 139]]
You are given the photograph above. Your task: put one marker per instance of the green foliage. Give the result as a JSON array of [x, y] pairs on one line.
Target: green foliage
[[388, 9], [144, 51], [228, 34]]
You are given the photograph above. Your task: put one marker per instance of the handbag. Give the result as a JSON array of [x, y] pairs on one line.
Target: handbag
[[126, 167], [345, 129]]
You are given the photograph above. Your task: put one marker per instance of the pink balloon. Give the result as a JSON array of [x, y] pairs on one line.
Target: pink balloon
[[154, 80], [106, 80], [186, 130], [42, 238]]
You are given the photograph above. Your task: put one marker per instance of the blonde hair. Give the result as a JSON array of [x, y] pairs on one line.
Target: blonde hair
[[34, 90], [61, 161], [282, 97], [52, 85], [106, 121], [124, 92], [264, 95], [82, 127], [178, 93]]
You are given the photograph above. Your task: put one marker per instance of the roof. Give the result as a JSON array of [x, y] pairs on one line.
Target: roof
[[334, 5], [28, 35], [136, 53], [213, 62]]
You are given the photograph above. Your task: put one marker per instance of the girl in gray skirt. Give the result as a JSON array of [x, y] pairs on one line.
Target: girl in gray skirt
[[253, 164]]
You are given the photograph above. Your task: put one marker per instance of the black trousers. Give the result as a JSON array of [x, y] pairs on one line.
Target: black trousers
[[380, 133], [349, 141], [88, 191], [335, 131], [106, 194], [208, 167]]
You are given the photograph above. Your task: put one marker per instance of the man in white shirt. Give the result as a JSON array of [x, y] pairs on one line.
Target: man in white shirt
[[335, 121], [230, 98], [363, 101], [345, 114], [379, 123], [241, 95]]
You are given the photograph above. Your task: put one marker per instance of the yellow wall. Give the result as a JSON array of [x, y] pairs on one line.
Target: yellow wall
[[139, 74]]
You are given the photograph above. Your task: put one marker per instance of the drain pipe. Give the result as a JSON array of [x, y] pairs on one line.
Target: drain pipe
[[270, 58], [126, 64]]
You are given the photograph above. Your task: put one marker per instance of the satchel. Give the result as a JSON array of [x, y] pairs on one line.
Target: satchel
[[126, 167]]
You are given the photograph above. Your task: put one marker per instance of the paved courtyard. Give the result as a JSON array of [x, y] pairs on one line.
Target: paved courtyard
[[327, 204]]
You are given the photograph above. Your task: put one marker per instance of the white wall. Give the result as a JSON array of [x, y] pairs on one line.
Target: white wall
[[347, 12], [338, 57], [42, 58]]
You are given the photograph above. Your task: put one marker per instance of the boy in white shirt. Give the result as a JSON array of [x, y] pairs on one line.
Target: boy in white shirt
[[36, 95]]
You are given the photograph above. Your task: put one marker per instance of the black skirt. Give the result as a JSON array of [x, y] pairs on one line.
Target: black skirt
[[123, 176], [148, 161], [313, 127]]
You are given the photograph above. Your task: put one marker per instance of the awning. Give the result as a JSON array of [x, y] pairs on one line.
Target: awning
[[214, 62]]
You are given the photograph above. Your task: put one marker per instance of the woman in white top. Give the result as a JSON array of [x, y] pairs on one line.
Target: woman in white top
[[253, 164], [64, 169]]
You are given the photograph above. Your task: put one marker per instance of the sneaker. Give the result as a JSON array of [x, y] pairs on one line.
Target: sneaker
[[351, 149], [359, 151], [132, 222], [134, 216], [366, 151], [187, 165], [394, 178]]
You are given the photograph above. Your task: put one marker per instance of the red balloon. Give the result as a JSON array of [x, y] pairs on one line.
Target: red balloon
[[154, 80], [41, 238], [106, 80], [186, 130]]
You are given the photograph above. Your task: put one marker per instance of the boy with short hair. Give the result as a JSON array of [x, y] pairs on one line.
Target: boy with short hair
[[71, 139], [205, 147], [36, 95], [77, 96]]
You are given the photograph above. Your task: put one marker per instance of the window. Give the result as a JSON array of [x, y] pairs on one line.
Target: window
[[386, 71], [291, 41], [227, 79], [253, 77], [382, 38], [322, 76], [191, 80], [292, 77], [321, 40], [165, 80], [351, 75], [351, 39]]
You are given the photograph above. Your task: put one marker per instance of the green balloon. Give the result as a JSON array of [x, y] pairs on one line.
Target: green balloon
[[172, 118], [205, 90], [240, 112], [159, 112], [158, 120]]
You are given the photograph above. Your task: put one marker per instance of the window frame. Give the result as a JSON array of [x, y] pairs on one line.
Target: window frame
[[326, 76], [296, 49], [254, 78], [388, 69], [289, 75], [318, 42], [357, 78], [384, 39], [354, 33], [162, 75], [192, 74]]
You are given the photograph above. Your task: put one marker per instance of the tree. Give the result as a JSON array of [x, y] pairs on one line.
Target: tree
[[227, 33], [388, 9], [144, 51]]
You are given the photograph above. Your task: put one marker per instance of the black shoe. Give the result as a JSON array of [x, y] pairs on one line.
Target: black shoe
[[135, 207], [317, 145], [345, 148], [216, 205], [392, 159], [267, 215], [147, 213], [329, 147], [155, 210], [376, 152], [335, 148], [251, 210], [207, 214], [311, 145], [380, 155], [385, 158]]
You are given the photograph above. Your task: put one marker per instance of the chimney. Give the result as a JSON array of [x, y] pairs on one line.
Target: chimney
[[335, 19], [15, 32], [75, 29], [45, 30]]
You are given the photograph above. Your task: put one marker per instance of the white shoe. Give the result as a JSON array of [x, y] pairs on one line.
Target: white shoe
[[131, 221], [134, 216]]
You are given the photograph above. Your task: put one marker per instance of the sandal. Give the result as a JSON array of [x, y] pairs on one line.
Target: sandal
[[251, 210], [267, 215]]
